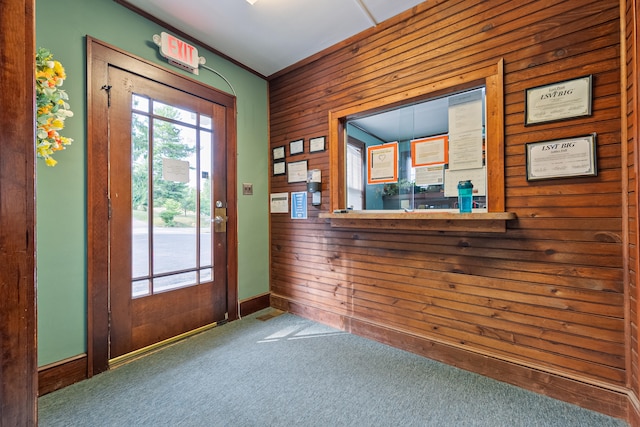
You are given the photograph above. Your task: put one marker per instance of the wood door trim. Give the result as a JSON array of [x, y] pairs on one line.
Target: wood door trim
[[100, 56], [18, 355]]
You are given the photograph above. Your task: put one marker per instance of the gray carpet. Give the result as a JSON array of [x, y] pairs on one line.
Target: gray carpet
[[288, 371]]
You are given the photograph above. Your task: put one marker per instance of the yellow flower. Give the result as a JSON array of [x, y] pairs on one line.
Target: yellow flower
[[59, 69], [57, 124], [50, 161]]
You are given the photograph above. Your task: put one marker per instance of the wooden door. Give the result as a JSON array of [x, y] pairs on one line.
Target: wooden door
[[167, 181]]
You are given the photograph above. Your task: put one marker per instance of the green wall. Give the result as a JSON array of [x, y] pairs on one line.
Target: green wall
[[61, 26]]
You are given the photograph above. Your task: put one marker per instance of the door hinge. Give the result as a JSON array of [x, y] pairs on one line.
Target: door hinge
[[109, 208]]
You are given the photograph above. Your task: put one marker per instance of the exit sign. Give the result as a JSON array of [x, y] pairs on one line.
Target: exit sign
[[179, 53]]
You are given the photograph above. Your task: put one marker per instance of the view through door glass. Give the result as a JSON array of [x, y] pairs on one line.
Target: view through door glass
[[167, 170], [171, 197]]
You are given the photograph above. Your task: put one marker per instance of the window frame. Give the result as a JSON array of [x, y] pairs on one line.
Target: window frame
[[490, 76]]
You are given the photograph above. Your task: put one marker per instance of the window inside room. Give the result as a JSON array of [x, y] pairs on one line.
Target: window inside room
[[412, 157]]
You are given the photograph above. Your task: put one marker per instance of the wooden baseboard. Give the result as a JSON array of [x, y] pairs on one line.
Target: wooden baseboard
[[253, 304], [70, 371], [61, 374], [612, 401], [633, 417]]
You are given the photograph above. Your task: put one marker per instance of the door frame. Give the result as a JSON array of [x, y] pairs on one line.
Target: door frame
[[100, 56], [18, 345]]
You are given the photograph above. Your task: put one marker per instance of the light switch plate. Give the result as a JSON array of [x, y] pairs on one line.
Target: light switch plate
[[247, 189]]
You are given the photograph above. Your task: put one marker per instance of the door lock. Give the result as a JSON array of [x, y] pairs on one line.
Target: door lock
[[219, 220]]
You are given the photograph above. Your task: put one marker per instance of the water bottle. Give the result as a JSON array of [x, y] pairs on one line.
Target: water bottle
[[465, 196]]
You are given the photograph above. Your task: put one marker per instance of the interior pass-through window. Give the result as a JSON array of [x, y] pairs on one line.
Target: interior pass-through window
[[412, 157]]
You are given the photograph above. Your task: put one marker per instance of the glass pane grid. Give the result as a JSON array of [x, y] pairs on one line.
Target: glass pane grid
[[171, 195]]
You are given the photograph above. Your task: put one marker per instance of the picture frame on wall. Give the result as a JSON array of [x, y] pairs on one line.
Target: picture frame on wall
[[563, 100], [382, 163], [562, 158], [279, 168], [296, 147], [297, 172], [278, 153], [317, 144]]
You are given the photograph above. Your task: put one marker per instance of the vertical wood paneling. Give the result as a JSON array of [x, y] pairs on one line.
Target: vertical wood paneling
[[549, 293], [629, 127]]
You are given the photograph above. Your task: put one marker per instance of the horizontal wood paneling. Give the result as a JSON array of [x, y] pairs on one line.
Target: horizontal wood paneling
[[549, 293]]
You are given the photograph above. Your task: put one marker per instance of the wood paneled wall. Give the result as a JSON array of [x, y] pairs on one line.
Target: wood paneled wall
[[629, 103], [547, 297]]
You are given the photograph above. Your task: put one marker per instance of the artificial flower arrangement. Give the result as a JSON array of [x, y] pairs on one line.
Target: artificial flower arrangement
[[52, 106]]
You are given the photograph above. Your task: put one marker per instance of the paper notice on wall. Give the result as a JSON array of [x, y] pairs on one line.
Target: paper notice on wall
[[279, 202], [430, 175], [175, 170], [478, 178], [465, 131]]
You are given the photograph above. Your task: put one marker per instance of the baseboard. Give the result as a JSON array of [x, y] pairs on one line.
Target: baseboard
[[253, 304], [70, 371], [634, 410], [612, 401], [61, 374]]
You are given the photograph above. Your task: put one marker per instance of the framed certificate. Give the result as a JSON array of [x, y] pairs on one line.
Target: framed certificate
[[279, 168], [562, 158], [558, 101], [278, 153], [316, 144], [382, 163], [297, 171], [430, 151], [296, 147]]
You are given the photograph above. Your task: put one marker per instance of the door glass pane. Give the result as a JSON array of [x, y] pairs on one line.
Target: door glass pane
[[206, 275], [141, 288], [205, 199], [166, 283], [205, 122], [174, 236], [171, 112], [140, 195], [140, 103], [171, 191]]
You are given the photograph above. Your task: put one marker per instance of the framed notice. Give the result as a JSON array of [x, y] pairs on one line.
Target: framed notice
[[297, 172], [296, 147], [562, 158], [430, 151], [278, 153], [316, 144], [382, 163], [558, 101], [279, 168], [279, 202]]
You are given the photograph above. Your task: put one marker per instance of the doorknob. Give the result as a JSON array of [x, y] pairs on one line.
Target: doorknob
[[219, 220]]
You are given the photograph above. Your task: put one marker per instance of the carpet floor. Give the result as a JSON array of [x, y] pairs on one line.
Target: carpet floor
[[288, 371]]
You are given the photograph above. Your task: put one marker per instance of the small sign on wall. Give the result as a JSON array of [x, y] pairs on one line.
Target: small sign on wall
[[279, 202], [299, 205]]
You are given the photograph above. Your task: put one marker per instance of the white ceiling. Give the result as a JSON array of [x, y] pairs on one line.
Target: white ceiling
[[272, 34]]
